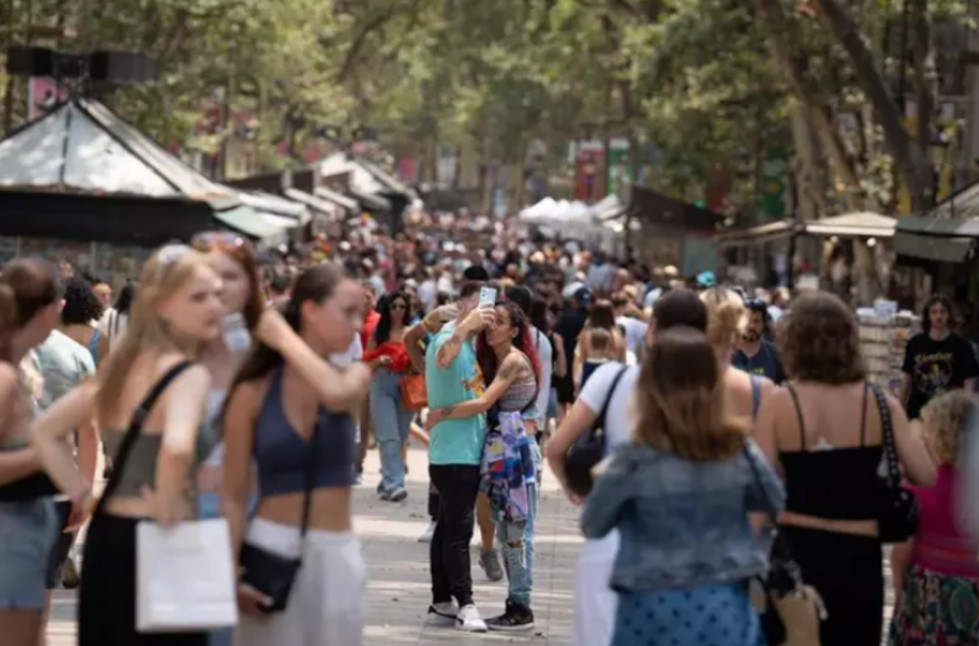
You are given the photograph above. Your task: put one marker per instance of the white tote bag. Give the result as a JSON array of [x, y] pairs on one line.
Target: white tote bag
[[184, 577]]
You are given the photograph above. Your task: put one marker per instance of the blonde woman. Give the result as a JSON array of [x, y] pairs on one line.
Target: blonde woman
[[680, 493], [936, 571], [726, 318], [177, 309]]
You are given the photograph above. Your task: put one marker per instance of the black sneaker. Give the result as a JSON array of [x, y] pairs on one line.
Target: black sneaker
[[516, 618]]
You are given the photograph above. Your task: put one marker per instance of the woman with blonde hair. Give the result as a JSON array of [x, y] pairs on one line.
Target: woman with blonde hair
[[726, 313], [177, 310], [936, 575], [680, 493], [826, 432]]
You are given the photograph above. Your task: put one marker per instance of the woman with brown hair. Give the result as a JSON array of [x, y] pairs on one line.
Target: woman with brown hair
[[177, 310], [680, 493], [826, 433], [30, 305], [288, 413]]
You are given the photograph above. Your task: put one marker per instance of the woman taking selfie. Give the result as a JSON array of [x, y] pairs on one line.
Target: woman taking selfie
[[289, 413], [177, 310], [30, 305], [680, 493]]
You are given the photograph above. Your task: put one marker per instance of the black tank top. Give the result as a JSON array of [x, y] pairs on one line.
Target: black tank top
[[832, 483]]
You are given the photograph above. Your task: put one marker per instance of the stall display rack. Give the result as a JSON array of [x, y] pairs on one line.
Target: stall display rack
[[884, 335]]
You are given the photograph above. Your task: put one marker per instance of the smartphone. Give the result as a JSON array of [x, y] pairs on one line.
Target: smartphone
[[487, 297]]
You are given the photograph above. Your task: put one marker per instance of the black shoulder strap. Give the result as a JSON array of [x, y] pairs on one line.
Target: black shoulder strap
[[608, 397], [755, 395], [135, 426], [798, 414], [887, 434]]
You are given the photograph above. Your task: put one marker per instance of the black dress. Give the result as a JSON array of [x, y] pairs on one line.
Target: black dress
[[846, 569]]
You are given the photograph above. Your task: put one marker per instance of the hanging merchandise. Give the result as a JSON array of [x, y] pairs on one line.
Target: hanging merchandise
[[884, 335]]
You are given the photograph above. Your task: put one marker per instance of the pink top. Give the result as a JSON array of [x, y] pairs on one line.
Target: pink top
[[939, 545]]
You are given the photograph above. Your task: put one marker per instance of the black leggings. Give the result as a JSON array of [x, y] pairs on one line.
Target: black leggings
[[107, 598]]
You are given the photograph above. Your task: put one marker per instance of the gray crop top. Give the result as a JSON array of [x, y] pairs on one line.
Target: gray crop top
[[140, 468]]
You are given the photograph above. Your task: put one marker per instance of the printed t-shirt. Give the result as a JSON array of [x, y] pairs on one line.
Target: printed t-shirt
[[936, 367], [764, 362]]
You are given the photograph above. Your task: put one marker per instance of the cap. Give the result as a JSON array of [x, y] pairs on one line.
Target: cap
[[706, 279]]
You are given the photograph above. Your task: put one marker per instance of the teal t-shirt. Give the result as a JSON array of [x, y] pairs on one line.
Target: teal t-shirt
[[454, 441]]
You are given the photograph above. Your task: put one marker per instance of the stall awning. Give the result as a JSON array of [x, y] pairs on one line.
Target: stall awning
[[870, 225], [939, 240], [312, 201], [756, 235], [289, 210], [267, 228], [372, 202], [337, 198]]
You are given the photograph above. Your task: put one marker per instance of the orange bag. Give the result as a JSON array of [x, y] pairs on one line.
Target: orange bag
[[414, 395]]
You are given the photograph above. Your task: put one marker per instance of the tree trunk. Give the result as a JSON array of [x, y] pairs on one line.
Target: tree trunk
[[777, 28], [810, 170], [907, 156], [924, 73]]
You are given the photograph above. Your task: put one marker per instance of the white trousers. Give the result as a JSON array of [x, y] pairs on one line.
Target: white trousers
[[595, 602], [326, 605]]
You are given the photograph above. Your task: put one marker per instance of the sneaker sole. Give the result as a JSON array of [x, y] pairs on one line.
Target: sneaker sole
[[471, 629], [398, 496], [510, 629]]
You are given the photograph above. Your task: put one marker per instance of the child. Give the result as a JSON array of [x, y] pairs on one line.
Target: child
[[936, 574]]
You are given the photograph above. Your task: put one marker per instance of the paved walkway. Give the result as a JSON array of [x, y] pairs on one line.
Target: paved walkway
[[398, 589]]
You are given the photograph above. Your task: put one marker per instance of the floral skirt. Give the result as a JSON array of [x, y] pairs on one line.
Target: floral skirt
[[936, 610]]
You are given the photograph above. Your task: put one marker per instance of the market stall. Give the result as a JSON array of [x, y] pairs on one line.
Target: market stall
[[81, 178]]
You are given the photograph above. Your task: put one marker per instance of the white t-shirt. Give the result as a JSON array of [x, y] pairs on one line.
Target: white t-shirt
[[618, 426], [112, 326], [545, 354], [353, 354], [635, 333]]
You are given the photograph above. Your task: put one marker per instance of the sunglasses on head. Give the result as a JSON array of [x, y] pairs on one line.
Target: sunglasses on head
[[210, 239]]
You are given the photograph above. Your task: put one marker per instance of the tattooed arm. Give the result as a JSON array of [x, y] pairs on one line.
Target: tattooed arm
[[511, 369]]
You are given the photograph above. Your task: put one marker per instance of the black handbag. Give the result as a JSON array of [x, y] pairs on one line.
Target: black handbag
[[273, 574], [589, 449], [897, 515]]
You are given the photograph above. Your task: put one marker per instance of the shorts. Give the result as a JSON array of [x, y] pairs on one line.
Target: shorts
[[27, 535], [62, 545]]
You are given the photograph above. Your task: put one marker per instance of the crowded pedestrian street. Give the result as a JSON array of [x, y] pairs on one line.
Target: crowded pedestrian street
[[455, 322]]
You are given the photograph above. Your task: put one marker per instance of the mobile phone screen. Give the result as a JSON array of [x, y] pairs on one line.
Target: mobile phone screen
[[487, 296]]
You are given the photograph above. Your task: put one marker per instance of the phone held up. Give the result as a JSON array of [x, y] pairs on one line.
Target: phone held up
[[487, 297]]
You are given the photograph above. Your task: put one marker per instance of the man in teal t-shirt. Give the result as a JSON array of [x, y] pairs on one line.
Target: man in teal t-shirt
[[452, 376]]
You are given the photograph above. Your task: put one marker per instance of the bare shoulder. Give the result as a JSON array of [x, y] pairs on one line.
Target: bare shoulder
[[195, 376], [513, 364], [8, 377]]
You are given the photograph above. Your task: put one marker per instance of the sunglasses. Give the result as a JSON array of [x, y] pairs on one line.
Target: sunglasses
[[208, 240], [168, 256]]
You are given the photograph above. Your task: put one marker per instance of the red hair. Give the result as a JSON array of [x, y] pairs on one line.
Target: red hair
[[488, 362]]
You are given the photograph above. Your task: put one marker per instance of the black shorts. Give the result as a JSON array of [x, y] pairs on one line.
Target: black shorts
[[62, 546]]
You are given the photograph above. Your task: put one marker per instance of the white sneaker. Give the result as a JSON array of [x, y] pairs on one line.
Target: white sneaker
[[427, 535], [469, 620], [443, 614]]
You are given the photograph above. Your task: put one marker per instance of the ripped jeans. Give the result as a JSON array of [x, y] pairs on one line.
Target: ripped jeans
[[516, 541]]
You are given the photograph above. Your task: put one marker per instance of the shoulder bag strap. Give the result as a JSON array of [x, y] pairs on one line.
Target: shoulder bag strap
[[887, 442], [798, 414], [132, 432], [602, 416], [755, 396]]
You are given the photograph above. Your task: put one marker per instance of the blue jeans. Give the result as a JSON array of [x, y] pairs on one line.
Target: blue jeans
[[517, 544], [391, 425]]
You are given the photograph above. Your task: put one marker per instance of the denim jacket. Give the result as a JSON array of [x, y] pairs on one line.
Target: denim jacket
[[683, 523]]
